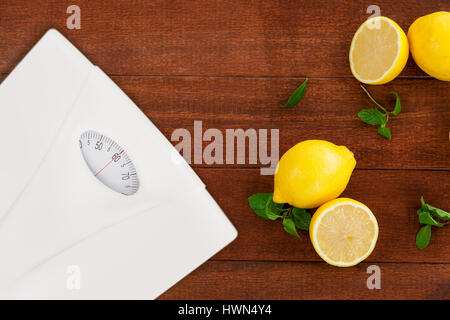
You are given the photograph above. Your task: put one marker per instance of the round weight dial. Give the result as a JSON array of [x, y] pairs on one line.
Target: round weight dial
[[109, 162]]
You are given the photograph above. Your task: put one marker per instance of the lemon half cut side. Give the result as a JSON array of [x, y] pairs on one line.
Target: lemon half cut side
[[379, 51], [343, 232]]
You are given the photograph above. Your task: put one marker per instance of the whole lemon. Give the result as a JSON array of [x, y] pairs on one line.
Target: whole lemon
[[311, 173], [429, 42]]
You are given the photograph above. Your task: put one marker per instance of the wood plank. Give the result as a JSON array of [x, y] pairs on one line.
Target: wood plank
[[328, 111], [206, 37], [393, 196], [288, 280], [232, 64]]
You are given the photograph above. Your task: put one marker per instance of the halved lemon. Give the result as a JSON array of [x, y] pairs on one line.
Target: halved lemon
[[343, 232], [379, 51]]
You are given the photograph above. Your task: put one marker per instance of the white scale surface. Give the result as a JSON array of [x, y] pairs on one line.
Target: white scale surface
[[89, 181]]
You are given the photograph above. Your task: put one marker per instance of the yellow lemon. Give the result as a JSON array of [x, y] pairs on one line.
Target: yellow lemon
[[311, 173], [379, 51], [429, 41], [343, 232]]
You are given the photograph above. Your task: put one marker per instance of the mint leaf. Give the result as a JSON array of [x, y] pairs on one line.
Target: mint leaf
[[441, 214], [385, 132], [372, 116], [273, 210], [289, 227], [376, 117], [301, 218], [259, 202], [398, 106], [426, 214], [296, 96], [426, 218], [423, 237]]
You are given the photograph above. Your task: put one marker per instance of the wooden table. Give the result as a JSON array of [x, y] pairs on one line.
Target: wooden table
[[231, 64]]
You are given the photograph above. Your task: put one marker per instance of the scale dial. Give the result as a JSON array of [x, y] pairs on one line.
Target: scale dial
[[109, 162]]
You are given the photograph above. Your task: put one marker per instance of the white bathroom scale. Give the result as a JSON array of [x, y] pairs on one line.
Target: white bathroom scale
[[95, 202]]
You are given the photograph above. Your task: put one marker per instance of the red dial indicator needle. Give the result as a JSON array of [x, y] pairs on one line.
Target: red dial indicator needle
[[109, 162]]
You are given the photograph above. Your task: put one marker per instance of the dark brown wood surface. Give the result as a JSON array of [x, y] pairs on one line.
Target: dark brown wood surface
[[231, 64], [291, 280]]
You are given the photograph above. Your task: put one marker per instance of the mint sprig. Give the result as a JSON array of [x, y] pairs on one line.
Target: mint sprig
[[427, 216], [296, 96], [379, 116], [293, 218]]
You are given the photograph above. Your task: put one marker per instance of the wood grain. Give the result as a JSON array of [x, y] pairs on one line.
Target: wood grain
[[393, 196], [206, 37], [328, 111], [232, 64], [289, 280]]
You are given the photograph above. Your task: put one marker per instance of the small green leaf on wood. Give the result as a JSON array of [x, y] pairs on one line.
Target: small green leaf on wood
[[439, 213], [296, 96], [301, 218], [273, 210], [398, 106], [426, 218], [261, 203], [423, 237], [289, 227], [422, 201], [385, 132], [372, 116]]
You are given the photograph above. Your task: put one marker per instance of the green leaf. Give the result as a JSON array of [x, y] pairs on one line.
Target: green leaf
[[296, 96], [426, 218], [289, 227], [398, 106], [423, 237], [372, 116], [273, 210], [259, 203], [301, 218], [385, 132], [422, 202], [441, 214]]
